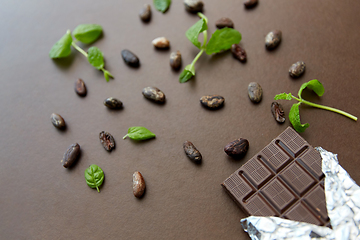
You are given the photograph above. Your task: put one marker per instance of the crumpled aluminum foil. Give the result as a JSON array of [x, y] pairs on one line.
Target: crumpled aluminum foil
[[343, 206]]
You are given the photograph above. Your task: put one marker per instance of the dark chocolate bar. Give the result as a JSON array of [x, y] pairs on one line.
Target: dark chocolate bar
[[284, 180]]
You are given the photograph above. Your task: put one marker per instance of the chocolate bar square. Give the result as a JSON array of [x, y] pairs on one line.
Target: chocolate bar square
[[284, 180]]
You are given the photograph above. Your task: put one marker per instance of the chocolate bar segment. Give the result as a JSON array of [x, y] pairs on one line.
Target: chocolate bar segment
[[284, 179]]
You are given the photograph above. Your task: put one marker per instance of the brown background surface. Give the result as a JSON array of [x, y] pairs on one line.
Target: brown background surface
[[42, 200]]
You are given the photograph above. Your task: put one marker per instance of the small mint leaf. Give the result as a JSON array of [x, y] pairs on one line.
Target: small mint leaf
[[87, 33], [222, 39], [95, 57], [62, 48], [162, 5], [185, 76], [284, 96], [139, 133], [294, 117], [314, 85], [193, 32]]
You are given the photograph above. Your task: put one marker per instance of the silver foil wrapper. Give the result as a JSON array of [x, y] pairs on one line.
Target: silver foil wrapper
[[343, 206]]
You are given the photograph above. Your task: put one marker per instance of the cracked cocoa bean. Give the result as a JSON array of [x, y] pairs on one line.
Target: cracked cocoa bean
[[278, 112], [71, 155], [212, 101], [237, 148], [107, 140], [273, 39], [297, 69], [192, 152], [138, 185], [238, 52]]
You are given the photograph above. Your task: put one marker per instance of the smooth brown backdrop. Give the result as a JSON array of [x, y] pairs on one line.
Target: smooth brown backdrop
[[42, 200]]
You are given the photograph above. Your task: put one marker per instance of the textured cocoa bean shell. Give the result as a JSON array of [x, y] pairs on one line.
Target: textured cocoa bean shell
[[237, 148], [191, 152], [107, 141]]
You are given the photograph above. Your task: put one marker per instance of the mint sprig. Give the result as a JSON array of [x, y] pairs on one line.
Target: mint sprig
[[85, 33], [220, 40], [294, 114]]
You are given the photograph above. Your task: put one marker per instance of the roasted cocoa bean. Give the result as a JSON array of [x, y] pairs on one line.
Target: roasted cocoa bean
[[237, 148], [250, 3], [154, 94], [107, 140], [161, 43], [130, 58], [255, 92], [57, 120], [193, 6], [138, 185], [191, 151], [145, 13], [212, 101], [224, 22], [175, 60], [273, 39], [278, 112], [113, 103], [238, 52], [297, 69], [71, 155], [80, 87]]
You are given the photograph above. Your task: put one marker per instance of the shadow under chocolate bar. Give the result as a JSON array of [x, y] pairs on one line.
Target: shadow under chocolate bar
[[284, 180]]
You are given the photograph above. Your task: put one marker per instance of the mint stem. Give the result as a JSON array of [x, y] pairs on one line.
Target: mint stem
[[326, 108], [197, 57], [125, 136], [97, 189], [86, 55], [79, 49]]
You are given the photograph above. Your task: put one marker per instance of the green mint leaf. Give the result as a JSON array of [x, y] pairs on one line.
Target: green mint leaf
[[222, 39], [139, 133], [162, 5], [314, 85], [294, 117], [94, 176], [185, 76], [62, 48], [95, 57], [285, 96], [87, 33], [193, 32]]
